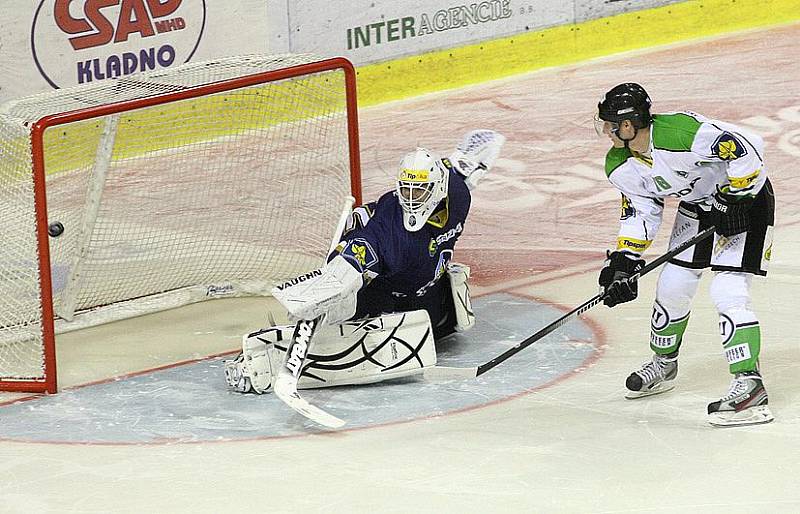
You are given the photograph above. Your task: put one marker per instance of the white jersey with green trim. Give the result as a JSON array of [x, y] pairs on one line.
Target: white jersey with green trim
[[690, 157]]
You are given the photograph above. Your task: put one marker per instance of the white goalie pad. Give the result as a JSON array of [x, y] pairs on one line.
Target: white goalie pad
[[459, 287], [330, 290], [363, 352], [476, 154]]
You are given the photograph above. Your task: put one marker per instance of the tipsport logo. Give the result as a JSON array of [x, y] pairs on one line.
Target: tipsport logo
[[80, 41]]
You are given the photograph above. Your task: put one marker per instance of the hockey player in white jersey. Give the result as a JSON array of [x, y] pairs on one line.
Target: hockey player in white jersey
[[716, 170], [389, 289]]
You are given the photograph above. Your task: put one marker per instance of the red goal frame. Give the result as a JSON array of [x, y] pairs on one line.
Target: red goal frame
[[49, 383]]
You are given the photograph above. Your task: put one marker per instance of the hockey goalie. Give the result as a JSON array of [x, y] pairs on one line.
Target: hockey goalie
[[390, 289]]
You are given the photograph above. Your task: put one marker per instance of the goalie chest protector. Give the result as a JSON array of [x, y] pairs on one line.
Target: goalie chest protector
[[407, 264]]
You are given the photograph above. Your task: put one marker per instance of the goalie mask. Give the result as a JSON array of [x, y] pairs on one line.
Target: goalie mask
[[421, 186]]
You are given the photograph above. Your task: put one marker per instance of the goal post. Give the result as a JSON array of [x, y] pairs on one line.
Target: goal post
[[209, 180]]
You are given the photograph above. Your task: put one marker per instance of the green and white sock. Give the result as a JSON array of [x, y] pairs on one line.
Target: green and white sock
[[666, 335], [741, 340]]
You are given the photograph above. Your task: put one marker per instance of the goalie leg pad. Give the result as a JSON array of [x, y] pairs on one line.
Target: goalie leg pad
[[364, 352], [459, 287]]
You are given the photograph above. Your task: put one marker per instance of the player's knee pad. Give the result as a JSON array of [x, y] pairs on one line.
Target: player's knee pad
[[676, 288], [730, 290], [458, 275]]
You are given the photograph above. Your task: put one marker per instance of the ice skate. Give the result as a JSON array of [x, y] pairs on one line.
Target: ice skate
[[654, 377], [745, 403]]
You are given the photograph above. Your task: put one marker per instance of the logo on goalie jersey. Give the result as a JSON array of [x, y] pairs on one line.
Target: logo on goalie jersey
[[360, 252], [728, 148]]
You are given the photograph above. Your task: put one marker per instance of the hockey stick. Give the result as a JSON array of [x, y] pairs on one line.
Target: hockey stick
[[289, 374], [286, 381], [449, 373]]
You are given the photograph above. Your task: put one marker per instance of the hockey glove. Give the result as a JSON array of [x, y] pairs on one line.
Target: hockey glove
[[615, 278], [730, 214], [475, 155]]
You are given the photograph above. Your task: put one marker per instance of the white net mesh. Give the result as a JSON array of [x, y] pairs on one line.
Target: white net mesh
[[223, 194]]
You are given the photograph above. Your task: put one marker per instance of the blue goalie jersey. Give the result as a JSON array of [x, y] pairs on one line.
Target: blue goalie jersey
[[404, 270]]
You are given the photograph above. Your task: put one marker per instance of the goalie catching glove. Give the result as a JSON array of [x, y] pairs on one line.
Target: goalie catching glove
[[615, 278], [476, 154]]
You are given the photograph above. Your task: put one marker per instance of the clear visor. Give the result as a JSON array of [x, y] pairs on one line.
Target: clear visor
[[605, 128], [414, 196]]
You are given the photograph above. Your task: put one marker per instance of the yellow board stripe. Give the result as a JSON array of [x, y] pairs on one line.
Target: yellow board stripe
[[567, 44]]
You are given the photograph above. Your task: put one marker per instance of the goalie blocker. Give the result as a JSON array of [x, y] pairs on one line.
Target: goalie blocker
[[354, 352]]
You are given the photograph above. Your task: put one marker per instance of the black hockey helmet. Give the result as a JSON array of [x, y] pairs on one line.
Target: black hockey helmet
[[628, 101]]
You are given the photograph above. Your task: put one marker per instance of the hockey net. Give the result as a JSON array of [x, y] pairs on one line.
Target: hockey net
[[207, 180]]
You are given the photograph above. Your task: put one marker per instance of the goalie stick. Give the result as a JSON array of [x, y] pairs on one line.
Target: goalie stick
[[289, 373], [451, 373]]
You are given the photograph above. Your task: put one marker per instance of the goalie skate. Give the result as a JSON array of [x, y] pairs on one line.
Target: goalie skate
[[744, 404], [654, 377], [251, 370]]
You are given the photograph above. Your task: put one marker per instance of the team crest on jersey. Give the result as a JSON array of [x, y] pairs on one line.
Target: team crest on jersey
[[728, 148], [360, 251], [627, 209]]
